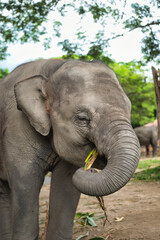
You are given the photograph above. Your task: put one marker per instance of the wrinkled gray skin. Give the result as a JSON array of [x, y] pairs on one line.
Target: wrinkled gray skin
[[146, 136], [65, 109]]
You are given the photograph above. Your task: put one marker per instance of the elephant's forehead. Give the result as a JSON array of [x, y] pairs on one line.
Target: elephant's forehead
[[94, 90], [92, 85], [99, 100], [77, 71], [91, 74], [76, 81]]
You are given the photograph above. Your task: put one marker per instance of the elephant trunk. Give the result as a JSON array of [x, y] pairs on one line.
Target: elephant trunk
[[121, 149]]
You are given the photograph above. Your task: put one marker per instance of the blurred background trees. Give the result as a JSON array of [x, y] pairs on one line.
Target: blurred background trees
[[3, 72], [26, 20]]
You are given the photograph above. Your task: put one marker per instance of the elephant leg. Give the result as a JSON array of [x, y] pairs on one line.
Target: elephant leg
[[5, 211], [25, 160], [64, 199], [154, 150], [147, 150], [25, 181], [25, 207]]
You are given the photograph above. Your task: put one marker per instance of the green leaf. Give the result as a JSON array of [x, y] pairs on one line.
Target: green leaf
[[90, 159], [85, 219], [82, 236], [3, 72], [79, 214], [91, 222]]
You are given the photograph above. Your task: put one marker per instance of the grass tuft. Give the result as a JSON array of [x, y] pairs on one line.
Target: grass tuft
[[148, 163], [152, 174]]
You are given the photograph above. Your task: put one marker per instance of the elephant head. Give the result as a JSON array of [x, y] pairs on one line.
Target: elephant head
[[85, 107]]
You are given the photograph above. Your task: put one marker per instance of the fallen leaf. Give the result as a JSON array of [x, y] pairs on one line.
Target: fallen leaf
[[83, 236], [117, 219]]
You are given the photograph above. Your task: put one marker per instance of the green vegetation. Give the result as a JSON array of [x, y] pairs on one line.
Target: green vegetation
[[151, 172], [85, 219], [22, 21], [83, 236], [25, 21], [139, 89], [148, 163], [3, 72], [131, 16]]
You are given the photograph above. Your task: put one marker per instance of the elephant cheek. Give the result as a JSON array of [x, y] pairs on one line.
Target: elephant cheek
[[69, 152]]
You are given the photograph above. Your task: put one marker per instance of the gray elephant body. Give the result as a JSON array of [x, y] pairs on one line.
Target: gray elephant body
[[148, 135], [65, 109]]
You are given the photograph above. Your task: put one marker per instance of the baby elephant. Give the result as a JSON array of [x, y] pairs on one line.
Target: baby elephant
[[52, 114], [148, 135]]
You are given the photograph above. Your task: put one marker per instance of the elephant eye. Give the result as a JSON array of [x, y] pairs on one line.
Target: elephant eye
[[82, 120]]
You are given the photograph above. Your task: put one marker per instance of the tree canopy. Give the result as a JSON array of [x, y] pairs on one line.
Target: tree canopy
[[23, 21], [3, 72], [26, 20], [140, 91]]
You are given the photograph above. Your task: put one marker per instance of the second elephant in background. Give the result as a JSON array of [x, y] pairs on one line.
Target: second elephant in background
[[148, 135]]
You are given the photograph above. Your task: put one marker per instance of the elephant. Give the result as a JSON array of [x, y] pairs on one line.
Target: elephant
[[148, 135], [53, 113]]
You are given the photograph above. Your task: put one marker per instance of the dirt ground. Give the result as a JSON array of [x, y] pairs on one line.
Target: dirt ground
[[137, 205]]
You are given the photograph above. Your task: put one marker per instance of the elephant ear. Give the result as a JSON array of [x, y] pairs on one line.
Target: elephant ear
[[31, 99]]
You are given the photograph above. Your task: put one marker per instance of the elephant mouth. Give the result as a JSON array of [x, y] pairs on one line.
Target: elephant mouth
[[100, 162]]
